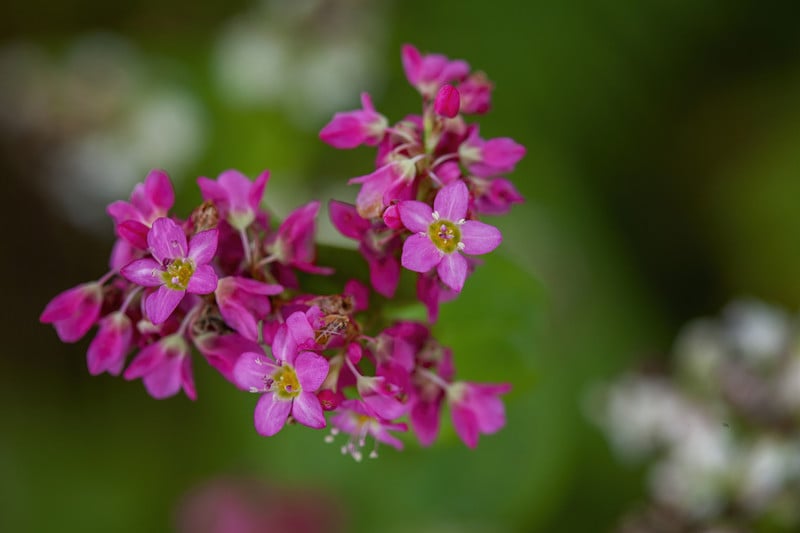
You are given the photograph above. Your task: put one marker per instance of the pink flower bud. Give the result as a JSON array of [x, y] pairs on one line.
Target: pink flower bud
[[392, 218], [447, 101]]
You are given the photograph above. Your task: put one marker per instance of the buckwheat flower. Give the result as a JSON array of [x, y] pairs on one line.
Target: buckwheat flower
[[222, 351], [377, 244], [356, 419], [476, 93], [431, 292], [447, 101], [390, 182], [165, 368], [494, 196], [236, 197], [288, 384], [74, 311], [428, 72], [293, 244], [109, 347], [476, 408], [489, 158], [354, 128], [132, 219], [149, 200], [377, 392], [442, 232], [175, 268], [243, 303]]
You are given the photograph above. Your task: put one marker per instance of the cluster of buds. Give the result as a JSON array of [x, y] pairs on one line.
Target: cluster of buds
[[231, 284], [724, 426]]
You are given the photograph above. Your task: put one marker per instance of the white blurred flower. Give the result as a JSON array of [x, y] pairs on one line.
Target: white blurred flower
[[756, 330], [104, 119], [700, 350], [769, 464], [307, 58], [698, 468]]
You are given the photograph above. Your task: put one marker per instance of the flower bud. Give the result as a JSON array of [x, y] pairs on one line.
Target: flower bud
[[447, 101]]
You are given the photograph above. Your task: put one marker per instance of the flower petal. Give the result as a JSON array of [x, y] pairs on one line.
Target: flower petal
[[453, 271], [203, 281], [203, 246], [187, 379], [312, 369], [158, 189], [165, 379], [346, 219], [420, 254], [424, 418], [240, 319], [257, 190], [109, 347], [384, 274], [307, 410], [251, 371], [416, 216], [146, 272], [256, 287], [166, 240], [452, 201], [271, 413], [213, 191], [159, 305], [479, 238], [466, 425]]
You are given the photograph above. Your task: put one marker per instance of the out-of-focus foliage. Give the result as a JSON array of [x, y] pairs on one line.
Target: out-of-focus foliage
[[659, 179]]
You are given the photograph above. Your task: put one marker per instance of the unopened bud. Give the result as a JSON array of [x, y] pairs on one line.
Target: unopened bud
[[447, 101]]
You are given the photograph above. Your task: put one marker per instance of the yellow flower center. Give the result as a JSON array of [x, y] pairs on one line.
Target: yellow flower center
[[178, 274], [285, 382], [445, 235]]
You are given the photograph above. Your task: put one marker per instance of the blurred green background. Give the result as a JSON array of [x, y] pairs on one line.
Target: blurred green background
[[661, 181]]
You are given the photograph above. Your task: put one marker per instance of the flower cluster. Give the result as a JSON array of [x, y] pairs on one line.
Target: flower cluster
[[434, 175], [724, 426], [233, 286]]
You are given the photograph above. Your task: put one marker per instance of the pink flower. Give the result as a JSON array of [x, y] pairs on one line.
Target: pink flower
[[243, 303], [354, 128], [494, 196], [165, 368], [393, 181], [441, 233], [176, 269], [377, 392], [74, 311], [356, 419], [287, 384], [223, 351], [489, 158], [476, 408], [431, 292], [293, 245], [111, 344], [428, 72], [237, 198], [476, 93], [377, 244], [447, 101], [149, 200]]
